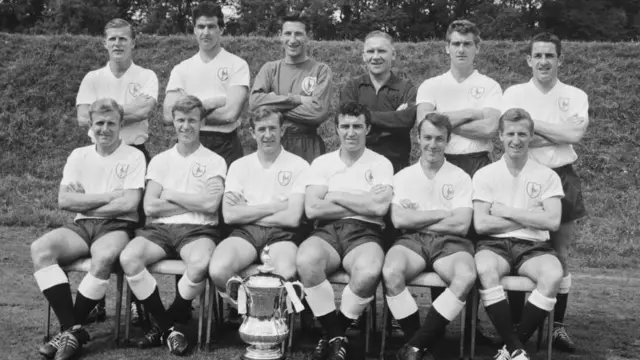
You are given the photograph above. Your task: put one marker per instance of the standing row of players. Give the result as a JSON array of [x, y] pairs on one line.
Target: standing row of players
[[299, 88]]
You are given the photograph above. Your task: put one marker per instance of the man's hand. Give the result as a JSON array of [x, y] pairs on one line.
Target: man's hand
[[214, 102], [536, 207], [378, 189], [75, 187], [233, 199], [408, 204], [499, 210], [402, 107]]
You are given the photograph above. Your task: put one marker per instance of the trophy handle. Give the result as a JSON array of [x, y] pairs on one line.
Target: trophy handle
[[234, 283], [292, 295]]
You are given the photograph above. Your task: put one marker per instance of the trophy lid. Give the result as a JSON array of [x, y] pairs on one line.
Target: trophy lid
[[265, 257], [264, 281]]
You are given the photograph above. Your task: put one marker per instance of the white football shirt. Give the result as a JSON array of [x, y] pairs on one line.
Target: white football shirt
[[534, 184], [135, 82], [369, 170], [121, 170], [206, 80], [446, 94], [188, 175], [556, 106]]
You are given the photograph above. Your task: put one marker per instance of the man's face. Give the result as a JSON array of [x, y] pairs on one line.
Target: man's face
[[515, 138], [294, 39], [106, 128], [207, 32], [378, 55], [462, 49], [119, 43], [544, 61], [352, 131], [187, 125], [268, 132], [432, 141]]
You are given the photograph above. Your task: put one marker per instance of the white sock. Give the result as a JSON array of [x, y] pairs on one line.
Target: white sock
[[541, 301], [321, 298], [402, 305], [352, 305], [188, 289], [142, 284], [93, 288], [448, 305], [50, 276], [492, 296]]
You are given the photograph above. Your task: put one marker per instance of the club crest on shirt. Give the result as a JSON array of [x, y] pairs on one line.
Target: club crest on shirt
[[447, 191], [309, 84], [477, 92], [223, 74], [533, 189], [197, 170], [368, 176], [284, 177], [563, 103], [122, 170], [134, 89]]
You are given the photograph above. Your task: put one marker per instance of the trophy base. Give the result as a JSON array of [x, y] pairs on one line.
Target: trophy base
[[254, 353]]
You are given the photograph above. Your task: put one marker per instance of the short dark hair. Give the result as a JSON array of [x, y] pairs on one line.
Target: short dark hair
[[106, 106], [354, 109], [118, 23], [295, 17], [514, 115], [208, 9], [438, 120], [264, 112], [546, 37], [464, 27], [187, 104]]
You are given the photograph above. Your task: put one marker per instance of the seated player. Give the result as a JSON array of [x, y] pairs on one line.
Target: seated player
[[516, 204], [184, 190], [263, 202], [433, 210], [348, 192], [103, 183]]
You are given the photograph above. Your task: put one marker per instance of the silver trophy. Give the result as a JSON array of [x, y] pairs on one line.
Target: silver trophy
[[264, 298]]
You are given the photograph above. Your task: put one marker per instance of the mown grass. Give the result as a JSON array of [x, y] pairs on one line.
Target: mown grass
[[40, 76]]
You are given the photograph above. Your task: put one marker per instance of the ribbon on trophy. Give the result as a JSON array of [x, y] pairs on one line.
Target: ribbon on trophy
[[293, 301], [242, 301]]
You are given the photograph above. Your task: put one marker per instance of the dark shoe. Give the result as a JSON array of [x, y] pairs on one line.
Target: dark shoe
[[138, 315], [408, 352], [357, 326], [520, 355], [338, 348], [153, 337], [484, 339], [71, 343], [396, 330], [322, 349], [180, 315], [176, 341], [561, 339], [50, 348], [97, 314], [503, 354]]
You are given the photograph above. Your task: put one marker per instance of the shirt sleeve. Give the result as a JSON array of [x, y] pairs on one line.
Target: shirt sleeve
[[241, 75], [154, 171], [383, 173], [176, 80], [233, 182], [317, 175], [318, 109], [462, 197], [509, 100], [427, 93], [482, 187], [553, 187], [70, 171], [494, 97], [263, 92], [135, 176], [86, 93], [582, 108], [300, 181], [400, 188], [217, 167], [150, 87]]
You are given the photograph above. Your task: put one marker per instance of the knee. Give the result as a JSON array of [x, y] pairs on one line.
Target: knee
[[367, 273], [487, 272], [308, 262], [393, 277], [287, 271], [550, 278], [42, 255], [465, 276], [198, 263], [103, 260], [131, 261]]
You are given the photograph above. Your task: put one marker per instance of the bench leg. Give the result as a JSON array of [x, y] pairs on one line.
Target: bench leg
[[47, 334], [127, 313], [550, 334], [383, 331], [211, 308], [463, 321], [119, 286], [201, 313], [474, 319], [292, 324]]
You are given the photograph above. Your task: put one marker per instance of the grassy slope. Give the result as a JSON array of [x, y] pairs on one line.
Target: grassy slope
[[41, 75]]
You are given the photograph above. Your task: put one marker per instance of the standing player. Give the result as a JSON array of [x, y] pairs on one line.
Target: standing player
[[218, 78], [134, 88], [263, 202], [561, 116], [184, 189], [103, 183], [348, 192], [390, 99], [299, 87], [516, 202], [471, 101], [432, 206]]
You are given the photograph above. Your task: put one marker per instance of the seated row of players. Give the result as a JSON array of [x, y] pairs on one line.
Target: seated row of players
[[514, 203]]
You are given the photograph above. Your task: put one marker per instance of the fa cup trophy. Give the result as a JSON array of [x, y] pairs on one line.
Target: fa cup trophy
[[264, 298]]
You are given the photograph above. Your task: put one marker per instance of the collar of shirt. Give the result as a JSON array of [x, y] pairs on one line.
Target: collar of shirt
[[394, 82]]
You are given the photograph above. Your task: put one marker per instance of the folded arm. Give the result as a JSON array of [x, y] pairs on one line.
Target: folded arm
[[288, 217], [121, 205], [156, 207], [545, 218], [262, 94], [207, 201], [319, 208], [230, 111], [483, 126], [236, 210], [170, 99], [72, 197], [374, 203], [488, 224], [407, 216], [457, 223], [569, 131], [314, 109]]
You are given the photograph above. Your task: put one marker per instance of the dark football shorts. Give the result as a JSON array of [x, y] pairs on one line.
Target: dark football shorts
[[345, 235], [173, 237], [260, 236], [572, 203], [433, 246], [307, 145], [515, 251], [91, 230]]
